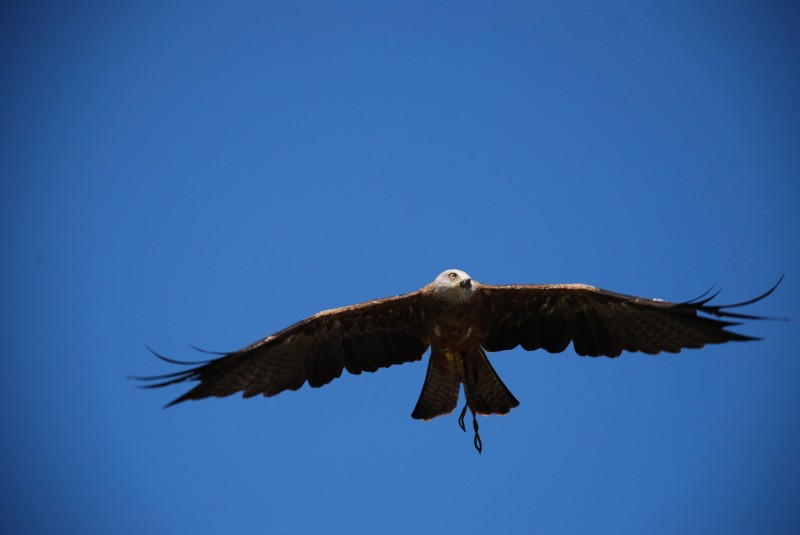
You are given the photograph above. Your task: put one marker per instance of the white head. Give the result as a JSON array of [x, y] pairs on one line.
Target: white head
[[453, 284]]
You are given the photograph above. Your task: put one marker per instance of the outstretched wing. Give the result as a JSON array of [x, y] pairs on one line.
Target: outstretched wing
[[358, 338], [599, 322]]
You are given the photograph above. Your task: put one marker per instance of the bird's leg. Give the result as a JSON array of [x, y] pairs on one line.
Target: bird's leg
[[477, 441], [461, 418], [467, 405]]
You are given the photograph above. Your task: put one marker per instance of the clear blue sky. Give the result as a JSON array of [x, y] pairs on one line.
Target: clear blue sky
[[210, 173]]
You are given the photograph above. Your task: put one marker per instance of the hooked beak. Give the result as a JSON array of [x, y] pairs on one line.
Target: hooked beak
[[466, 283]]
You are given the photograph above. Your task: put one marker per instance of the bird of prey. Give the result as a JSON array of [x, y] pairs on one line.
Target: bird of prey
[[460, 320]]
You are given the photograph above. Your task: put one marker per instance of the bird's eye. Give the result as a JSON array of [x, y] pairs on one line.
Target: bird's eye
[[452, 276]]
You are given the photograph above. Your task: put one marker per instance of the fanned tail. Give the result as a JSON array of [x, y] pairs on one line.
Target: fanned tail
[[440, 391], [485, 392]]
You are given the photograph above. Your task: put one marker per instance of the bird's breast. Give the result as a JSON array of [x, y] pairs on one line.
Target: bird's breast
[[452, 332]]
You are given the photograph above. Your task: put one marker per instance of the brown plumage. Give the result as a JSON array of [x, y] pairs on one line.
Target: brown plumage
[[459, 319]]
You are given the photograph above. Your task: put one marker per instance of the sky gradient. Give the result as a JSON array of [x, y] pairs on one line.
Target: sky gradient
[[209, 173]]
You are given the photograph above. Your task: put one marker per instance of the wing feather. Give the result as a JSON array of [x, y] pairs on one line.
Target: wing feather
[[358, 338], [600, 323]]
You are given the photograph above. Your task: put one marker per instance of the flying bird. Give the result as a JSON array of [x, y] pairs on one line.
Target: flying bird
[[459, 319]]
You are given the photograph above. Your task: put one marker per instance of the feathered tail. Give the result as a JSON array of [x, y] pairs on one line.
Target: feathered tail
[[440, 391], [484, 391]]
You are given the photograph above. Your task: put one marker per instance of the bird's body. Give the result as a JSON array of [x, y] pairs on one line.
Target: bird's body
[[456, 325], [459, 319]]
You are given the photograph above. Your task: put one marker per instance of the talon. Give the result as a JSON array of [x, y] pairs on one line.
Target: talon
[[461, 419]]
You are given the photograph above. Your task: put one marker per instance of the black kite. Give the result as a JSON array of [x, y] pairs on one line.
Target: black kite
[[459, 319]]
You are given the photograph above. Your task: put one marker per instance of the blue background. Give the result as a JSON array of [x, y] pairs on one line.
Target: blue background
[[210, 173]]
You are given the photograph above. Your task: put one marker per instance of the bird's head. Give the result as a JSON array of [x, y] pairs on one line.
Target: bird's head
[[454, 285]]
